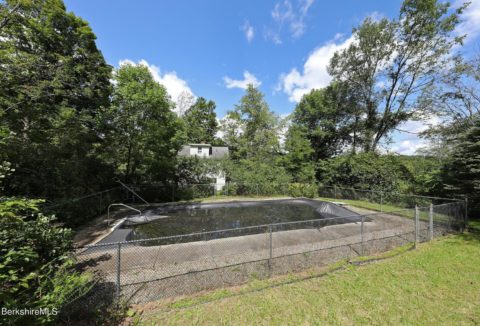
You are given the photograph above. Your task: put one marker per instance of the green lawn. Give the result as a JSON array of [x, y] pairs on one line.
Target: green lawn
[[439, 283], [365, 204]]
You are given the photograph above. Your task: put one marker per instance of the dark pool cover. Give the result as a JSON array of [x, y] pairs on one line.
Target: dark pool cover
[[288, 214]]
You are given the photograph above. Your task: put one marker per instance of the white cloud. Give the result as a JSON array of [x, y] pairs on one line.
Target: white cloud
[[471, 17], [409, 142], [295, 84], [272, 36], [249, 31], [175, 85], [248, 78], [291, 15], [416, 127], [408, 147]]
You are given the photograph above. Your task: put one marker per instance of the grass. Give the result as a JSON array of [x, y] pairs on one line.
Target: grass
[[438, 283], [365, 204]]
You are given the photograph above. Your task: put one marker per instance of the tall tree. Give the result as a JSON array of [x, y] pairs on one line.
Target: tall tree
[[252, 129], [201, 121], [144, 133], [298, 157], [327, 116], [54, 82], [462, 173], [454, 98], [390, 62]]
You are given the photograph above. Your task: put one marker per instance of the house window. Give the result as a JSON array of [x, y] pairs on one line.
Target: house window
[[199, 150]]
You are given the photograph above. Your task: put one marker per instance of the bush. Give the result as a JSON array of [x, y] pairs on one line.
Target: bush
[[367, 171], [302, 190], [36, 268], [249, 173]]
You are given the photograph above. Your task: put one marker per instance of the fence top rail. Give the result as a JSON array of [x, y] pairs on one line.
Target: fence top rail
[[83, 197], [264, 226], [395, 193]]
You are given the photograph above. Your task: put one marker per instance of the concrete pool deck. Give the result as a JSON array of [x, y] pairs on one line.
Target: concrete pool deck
[[148, 272]]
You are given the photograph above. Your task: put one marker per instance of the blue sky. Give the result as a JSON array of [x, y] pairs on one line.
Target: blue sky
[[214, 48]]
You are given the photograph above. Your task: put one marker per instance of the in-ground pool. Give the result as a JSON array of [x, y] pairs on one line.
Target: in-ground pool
[[169, 220]]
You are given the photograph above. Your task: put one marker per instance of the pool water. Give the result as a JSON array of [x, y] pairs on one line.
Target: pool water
[[188, 219]]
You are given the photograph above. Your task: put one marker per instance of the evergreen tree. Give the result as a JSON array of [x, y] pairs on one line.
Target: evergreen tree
[[201, 122], [253, 129], [298, 158], [462, 173]]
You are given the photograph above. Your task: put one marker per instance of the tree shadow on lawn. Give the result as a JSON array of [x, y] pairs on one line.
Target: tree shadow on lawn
[[473, 232]]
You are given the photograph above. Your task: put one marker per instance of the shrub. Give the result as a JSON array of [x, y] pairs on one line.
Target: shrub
[[302, 190], [36, 269]]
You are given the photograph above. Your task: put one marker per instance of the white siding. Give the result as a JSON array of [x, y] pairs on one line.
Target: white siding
[[205, 151]]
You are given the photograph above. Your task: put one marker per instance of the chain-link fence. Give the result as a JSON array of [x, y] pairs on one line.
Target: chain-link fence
[[150, 269], [80, 210]]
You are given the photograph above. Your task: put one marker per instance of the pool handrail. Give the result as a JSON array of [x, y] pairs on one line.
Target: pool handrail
[[120, 204]]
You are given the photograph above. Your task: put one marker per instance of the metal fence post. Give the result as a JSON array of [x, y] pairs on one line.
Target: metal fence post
[[119, 250], [173, 193], [270, 247], [381, 202], [416, 226], [466, 214], [335, 191], [362, 236], [257, 189], [430, 221]]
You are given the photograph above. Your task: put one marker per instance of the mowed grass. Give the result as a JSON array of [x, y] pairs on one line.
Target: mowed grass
[[436, 284], [365, 204]]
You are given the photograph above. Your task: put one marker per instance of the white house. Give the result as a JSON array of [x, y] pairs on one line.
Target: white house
[[207, 151]]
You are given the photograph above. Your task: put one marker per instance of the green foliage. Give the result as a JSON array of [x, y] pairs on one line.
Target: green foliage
[[36, 270], [298, 158], [424, 174], [462, 173], [302, 190], [391, 62], [201, 121], [325, 117], [251, 130], [248, 172], [54, 82], [144, 133], [195, 170], [366, 171]]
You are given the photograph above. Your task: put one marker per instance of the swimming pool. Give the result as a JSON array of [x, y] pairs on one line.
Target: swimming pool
[[220, 220]]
